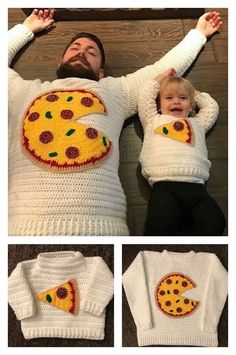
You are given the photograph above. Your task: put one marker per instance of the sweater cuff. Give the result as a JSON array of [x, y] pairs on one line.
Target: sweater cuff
[[195, 32], [91, 307], [209, 328], [145, 325], [24, 310], [29, 35]]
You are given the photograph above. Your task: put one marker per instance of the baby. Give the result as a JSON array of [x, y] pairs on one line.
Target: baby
[[174, 158]]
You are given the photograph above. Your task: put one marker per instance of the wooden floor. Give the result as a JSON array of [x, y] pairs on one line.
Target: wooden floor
[[130, 45]]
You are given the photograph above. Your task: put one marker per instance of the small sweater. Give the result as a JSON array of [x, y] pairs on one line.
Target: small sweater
[[92, 201], [168, 154], [176, 298], [61, 294]]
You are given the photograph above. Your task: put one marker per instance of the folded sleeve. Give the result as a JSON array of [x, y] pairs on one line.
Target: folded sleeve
[[19, 293], [99, 287], [216, 294], [135, 286]]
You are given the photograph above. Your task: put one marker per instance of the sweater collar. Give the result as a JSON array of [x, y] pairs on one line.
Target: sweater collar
[[59, 260], [176, 255]]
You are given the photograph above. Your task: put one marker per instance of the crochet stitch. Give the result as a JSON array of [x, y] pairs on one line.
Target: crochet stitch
[[88, 202], [73, 309], [197, 299]]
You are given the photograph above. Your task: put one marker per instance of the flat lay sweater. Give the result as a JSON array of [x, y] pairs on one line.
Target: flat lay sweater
[[61, 294], [165, 156], [176, 298], [43, 201]]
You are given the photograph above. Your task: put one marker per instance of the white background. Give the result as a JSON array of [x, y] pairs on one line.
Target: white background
[[117, 241]]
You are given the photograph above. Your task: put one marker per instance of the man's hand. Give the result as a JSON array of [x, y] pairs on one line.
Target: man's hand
[[209, 23], [39, 20], [168, 72]]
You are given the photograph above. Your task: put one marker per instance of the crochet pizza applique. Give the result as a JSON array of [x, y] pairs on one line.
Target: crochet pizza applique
[[53, 138], [180, 130], [170, 297], [64, 297]]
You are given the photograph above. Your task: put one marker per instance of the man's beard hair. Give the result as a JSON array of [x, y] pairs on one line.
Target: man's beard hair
[[66, 70]]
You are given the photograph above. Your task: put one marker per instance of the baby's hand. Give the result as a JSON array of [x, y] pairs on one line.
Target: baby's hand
[[169, 72], [196, 92]]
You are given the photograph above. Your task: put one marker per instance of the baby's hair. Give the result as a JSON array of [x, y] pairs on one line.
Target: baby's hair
[[177, 81]]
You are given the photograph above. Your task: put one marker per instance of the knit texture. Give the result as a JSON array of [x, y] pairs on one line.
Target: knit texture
[[91, 202], [165, 158], [32, 278], [206, 291]]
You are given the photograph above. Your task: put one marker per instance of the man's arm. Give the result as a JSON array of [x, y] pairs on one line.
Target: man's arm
[[18, 36], [180, 58]]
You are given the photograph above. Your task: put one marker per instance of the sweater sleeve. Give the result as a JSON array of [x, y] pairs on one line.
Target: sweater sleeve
[[19, 293], [180, 58], [18, 37], [216, 294], [147, 106], [135, 286], [208, 110], [99, 289]]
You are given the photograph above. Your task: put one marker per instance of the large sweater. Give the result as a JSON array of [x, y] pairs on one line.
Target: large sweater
[[176, 298], [165, 156], [91, 202], [89, 277]]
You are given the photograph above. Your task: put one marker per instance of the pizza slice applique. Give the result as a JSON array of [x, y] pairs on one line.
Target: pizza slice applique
[[180, 131], [64, 297], [170, 296], [53, 138]]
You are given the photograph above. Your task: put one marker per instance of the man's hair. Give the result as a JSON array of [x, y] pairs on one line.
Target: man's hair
[[94, 39]]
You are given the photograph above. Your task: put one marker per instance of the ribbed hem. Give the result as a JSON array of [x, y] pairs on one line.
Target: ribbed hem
[[76, 333], [212, 341], [67, 227]]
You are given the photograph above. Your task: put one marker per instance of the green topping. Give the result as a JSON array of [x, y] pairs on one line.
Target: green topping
[[70, 98], [53, 154], [165, 130], [48, 114], [70, 132], [104, 141], [49, 298]]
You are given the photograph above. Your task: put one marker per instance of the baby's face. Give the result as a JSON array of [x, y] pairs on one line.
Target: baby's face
[[175, 101]]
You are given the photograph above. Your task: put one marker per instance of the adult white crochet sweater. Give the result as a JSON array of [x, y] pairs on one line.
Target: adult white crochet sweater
[[90, 202], [164, 158], [49, 270], [153, 326]]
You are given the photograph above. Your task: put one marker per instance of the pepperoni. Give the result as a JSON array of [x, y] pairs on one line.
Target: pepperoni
[[162, 293], [72, 152], [86, 101], [176, 292], [169, 281], [91, 133], [46, 137], [168, 303], [67, 114], [184, 284], [178, 126], [52, 98], [179, 310], [62, 292], [186, 301], [33, 116]]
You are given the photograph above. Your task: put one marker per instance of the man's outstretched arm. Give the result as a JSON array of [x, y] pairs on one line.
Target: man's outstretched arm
[[38, 21]]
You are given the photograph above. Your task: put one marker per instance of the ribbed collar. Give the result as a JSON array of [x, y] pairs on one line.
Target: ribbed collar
[[176, 255], [59, 260]]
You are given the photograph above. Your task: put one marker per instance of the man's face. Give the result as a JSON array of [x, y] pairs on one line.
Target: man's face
[[82, 59]]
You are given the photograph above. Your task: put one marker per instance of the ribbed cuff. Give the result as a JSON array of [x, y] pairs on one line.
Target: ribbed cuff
[[209, 328], [91, 307], [24, 310]]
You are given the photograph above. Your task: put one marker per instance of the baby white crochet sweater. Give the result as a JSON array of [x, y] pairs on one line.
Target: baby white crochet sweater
[[165, 158], [87, 279], [176, 298], [92, 202]]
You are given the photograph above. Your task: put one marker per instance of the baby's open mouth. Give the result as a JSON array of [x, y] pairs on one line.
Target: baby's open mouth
[[176, 109]]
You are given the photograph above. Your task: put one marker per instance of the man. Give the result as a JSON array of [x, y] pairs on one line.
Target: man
[[63, 168]]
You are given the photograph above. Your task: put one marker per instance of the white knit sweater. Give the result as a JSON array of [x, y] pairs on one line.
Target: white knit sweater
[[163, 158], [85, 203], [198, 328], [49, 270]]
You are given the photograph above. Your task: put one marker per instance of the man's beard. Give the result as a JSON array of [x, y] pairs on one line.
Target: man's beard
[[67, 70]]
